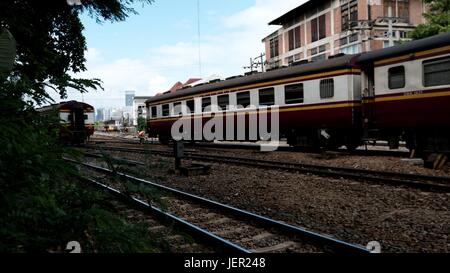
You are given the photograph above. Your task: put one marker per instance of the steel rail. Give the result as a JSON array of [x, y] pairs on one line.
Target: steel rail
[[144, 206], [324, 240], [256, 147], [420, 181]]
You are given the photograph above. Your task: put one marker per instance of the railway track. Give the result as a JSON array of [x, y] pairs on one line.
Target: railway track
[[230, 146], [424, 182], [228, 227]]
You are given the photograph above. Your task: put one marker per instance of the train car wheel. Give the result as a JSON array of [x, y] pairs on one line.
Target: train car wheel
[[164, 139]]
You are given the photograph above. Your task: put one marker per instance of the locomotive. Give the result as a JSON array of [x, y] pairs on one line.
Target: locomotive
[[76, 120], [395, 94]]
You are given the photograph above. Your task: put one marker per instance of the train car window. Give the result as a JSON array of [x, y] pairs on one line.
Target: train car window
[[85, 117], [177, 108], [154, 112], [165, 110], [326, 88], [436, 72], [190, 105], [293, 93], [267, 96], [223, 101], [243, 99], [206, 104], [396, 77]]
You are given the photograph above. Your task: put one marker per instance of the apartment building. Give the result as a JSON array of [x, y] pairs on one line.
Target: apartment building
[[318, 29]]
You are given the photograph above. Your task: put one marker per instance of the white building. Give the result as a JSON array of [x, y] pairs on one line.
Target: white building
[[139, 108]]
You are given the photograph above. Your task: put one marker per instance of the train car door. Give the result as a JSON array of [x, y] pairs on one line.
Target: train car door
[[368, 99], [78, 124]]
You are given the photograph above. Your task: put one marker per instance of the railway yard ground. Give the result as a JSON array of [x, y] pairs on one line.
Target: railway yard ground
[[401, 218]]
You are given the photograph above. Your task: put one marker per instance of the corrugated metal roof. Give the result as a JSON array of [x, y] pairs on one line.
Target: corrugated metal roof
[[325, 65], [295, 12], [65, 105], [409, 47]]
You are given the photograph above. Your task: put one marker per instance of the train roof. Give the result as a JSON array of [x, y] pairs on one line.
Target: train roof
[[345, 61], [66, 105], [406, 48]]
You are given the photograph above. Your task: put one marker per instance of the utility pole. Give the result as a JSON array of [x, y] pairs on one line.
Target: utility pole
[[390, 28], [256, 62]]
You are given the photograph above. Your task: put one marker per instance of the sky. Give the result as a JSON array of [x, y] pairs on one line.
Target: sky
[[151, 51]]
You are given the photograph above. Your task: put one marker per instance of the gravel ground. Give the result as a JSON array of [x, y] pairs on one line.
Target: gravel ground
[[384, 163], [166, 238], [401, 219], [336, 159]]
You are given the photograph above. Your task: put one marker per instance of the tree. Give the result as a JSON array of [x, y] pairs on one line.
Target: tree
[[41, 208], [142, 123], [438, 19], [50, 42]]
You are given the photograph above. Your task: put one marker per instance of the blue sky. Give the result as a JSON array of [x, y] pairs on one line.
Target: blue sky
[[151, 51]]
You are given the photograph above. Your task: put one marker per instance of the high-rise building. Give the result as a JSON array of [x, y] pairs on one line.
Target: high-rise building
[[318, 29], [99, 116], [129, 97]]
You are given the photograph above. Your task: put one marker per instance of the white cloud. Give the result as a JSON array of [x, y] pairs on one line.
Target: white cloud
[[224, 53]]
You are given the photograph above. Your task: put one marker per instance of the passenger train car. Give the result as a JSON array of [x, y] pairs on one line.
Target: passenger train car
[[76, 118], [398, 93], [407, 94]]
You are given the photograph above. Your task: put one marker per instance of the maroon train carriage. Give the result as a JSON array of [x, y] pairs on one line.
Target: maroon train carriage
[[407, 94], [77, 120], [397, 93], [319, 103]]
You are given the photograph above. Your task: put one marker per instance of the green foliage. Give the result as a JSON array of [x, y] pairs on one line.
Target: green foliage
[[151, 195], [437, 17], [41, 205], [142, 124], [50, 42]]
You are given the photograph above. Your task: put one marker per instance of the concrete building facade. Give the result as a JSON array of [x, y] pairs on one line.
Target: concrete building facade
[[321, 28], [139, 108]]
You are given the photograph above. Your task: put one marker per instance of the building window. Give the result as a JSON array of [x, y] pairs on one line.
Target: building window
[[154, 113], [190, 105], [243, 99], [322, 48], [290, 59], [318, 28], [400, 8], [353, 38], [267, 96], [396, 77], [165, 110], [223, 101], [274, 47], [293, 93], [349, 14], [206, 104], [320, 57], [326, 88], [436, 72], [352, 49], [294, 38]]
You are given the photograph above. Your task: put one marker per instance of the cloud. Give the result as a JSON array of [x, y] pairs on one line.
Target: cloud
[[260, 14], [225, 53], [117, 77]]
